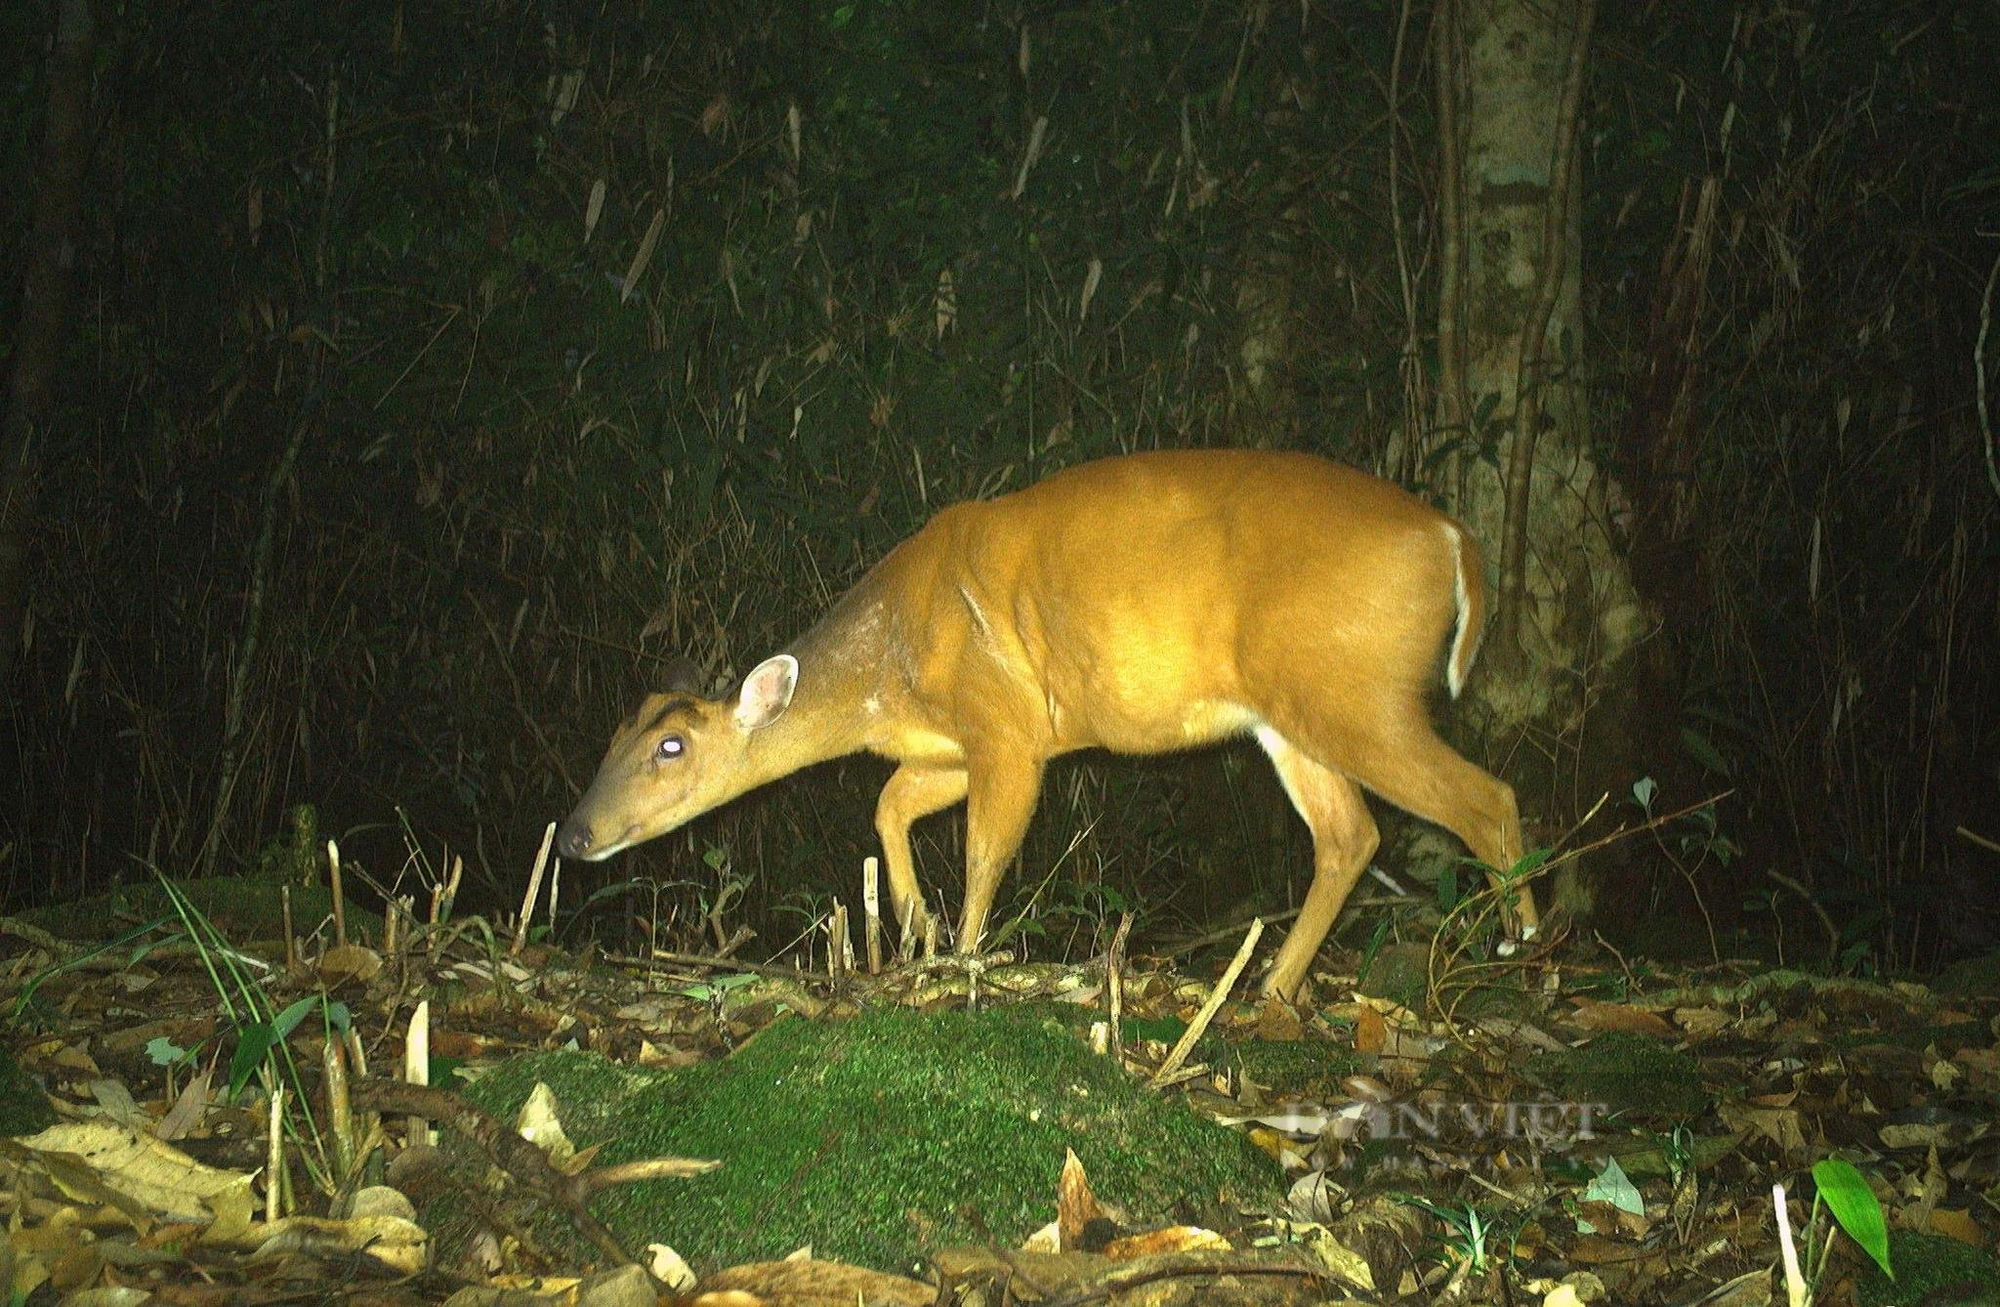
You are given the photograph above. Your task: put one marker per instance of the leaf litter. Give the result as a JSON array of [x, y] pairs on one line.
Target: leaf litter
[[1562, 1132]]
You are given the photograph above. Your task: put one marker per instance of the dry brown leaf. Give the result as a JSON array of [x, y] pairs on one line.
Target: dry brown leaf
[[1370, 1030], [1750, 1289], [1959, 1225], [1598, 1250], [463, 1045], [1915, 1134], [399, 1246], [1701, 1022], [1927, 1189], [1981, 1065], [1610, 1218], [540, 1123], [1337, 1257], [141, 1169], [345, 963], [235, 1209], [1048, 1239], [669, 1058], [1282, 1149], [1779, 1125], [381, 1200], [1621, 1017], [187, 1111], [72, 1057], [1522, 1033], [118, 1103], [669, 1268], [1406, 1054], [186, 1033], [1076, 1206], [76, 1267], [811, 1284], [1278, 1022], [1173, 1239]]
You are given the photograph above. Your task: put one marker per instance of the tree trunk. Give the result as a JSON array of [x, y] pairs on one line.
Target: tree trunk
[[1558, 664], [45, 287]]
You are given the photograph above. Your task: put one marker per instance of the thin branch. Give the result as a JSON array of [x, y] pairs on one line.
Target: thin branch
[[251, 637], [1454, 409], [1979, 372], [1411, 365]]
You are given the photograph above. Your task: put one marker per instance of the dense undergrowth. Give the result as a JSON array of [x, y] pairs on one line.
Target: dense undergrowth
[[858, 290]]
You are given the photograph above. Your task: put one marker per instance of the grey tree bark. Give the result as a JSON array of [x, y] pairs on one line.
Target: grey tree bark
[[1511, 385]]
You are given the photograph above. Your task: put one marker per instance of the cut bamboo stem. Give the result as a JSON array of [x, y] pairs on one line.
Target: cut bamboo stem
[[871, 903], [534, 893], [1216, 998]]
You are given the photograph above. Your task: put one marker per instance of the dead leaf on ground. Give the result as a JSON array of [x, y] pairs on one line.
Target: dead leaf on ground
[[148, 1172], [1076, 1206], [1603, 1017], [808, 1283]]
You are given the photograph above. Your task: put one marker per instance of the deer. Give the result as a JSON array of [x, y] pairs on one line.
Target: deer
[[1144, 603]]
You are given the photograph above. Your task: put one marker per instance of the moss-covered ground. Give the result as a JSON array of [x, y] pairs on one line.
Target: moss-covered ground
[[1631, 1073], [878, 1138], [1930, 1268], [1303, 1068]]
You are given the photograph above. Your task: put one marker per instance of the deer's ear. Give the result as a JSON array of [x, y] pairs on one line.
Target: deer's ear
[[683, 677], [767, 692]]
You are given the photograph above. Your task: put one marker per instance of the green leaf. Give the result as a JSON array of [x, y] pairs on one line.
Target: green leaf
[[165, 1052], [1613, 1186], [289, 1019], [1643, 791], [1702, 751], [1530, 861], [1854, 1205], [253, 1044]]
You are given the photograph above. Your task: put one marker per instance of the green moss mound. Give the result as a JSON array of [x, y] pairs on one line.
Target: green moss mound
[[1310, 1068], [879, 1138], [1629, 1072], [1928, 1263]]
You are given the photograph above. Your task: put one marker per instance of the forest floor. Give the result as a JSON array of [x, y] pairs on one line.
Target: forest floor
[[1433, 1126]]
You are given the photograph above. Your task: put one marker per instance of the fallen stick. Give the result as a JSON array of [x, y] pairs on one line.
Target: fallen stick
[[1216, 998]]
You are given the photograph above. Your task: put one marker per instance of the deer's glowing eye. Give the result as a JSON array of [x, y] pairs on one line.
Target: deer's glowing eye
[[671, 747]]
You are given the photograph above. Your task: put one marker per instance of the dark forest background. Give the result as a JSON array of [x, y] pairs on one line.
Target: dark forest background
[[433, 372]]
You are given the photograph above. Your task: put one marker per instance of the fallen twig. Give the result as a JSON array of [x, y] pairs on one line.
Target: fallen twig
[[1216, 998]]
